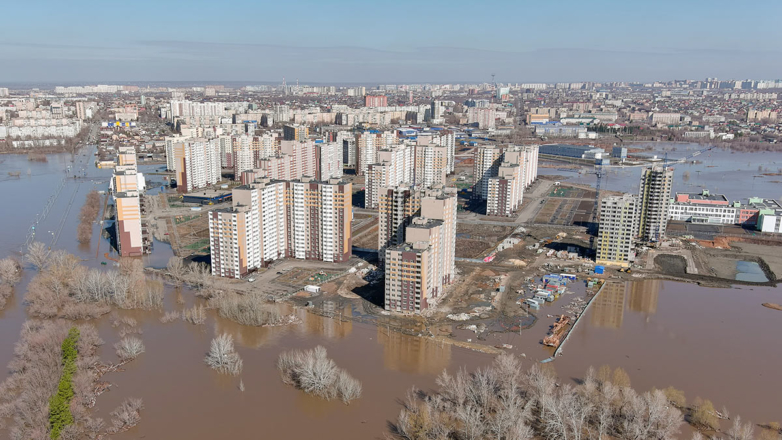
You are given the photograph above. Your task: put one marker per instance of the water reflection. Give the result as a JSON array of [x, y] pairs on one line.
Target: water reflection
[[609, 306], [336, 328], [412, 355], [643, 296]]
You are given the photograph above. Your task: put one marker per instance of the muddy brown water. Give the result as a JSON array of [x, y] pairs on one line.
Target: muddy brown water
[[719, 344]]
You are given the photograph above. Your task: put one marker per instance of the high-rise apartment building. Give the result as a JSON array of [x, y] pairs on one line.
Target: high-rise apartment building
[[444, 138], [655, 198], [252, 233], [196, 163], [368, 143], [423, 263], [349, 151], [431, 165], [329, 160], [397, 205], [272, 219], [394, 167], [486, 163], [619, 225], [506, 190], [439, 203], [482, 117], [230, 241], [318, 218], [375, 101], [295, 132]]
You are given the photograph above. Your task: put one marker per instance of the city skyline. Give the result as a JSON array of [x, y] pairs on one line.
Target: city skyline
[[349, 41]]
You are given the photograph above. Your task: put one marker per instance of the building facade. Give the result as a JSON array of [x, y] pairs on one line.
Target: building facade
[[196, 163], [418, 269], [655, 197], [619, 223], [271, 219], [702, 207]]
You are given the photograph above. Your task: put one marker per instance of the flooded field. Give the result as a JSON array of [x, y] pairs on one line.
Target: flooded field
[[719, 344], [735, 174]]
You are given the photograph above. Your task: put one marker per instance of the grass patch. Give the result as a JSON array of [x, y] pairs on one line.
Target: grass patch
[[198, 245], [185, 218]]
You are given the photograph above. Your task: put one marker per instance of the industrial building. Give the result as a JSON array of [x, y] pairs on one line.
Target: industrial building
[[563, 131], [573, 151]]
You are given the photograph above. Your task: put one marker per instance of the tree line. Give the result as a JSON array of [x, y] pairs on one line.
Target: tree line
[[503, 402]]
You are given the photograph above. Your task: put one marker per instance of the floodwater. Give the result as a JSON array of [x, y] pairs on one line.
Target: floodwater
[[183, 398], [737, 175], [750, 271], [719, 344]]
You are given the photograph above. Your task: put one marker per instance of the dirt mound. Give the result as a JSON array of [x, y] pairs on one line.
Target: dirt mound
[[773, 306]]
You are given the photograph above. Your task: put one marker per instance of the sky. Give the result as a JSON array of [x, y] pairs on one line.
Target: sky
[[351, 41]]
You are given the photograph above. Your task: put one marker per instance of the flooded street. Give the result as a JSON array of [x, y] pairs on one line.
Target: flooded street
[[734, 174], [718, 344]]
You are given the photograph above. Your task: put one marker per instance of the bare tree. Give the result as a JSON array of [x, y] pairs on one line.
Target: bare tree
[[348, 387], [169, 317], [195, 315], [129, 348], [127, 415], [10, 271], [223, 357], [37, 254], [314, 373], [176, 269], [741, 431]]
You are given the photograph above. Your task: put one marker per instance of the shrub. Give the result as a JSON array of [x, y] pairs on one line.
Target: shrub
[[129, 348], [248, 309], [196, 315], [169, 317], [314, 373], [223, 357]]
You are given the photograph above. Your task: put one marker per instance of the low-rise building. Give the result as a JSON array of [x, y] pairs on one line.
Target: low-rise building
[[748, 211], [702, 207]]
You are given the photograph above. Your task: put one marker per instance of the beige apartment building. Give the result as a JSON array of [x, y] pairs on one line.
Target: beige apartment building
[[272, 219], [419, 251], [619, 222]]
